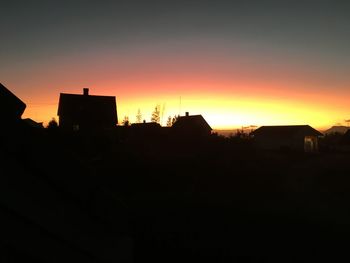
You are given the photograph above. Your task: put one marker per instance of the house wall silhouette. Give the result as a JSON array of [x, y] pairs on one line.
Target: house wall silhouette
[[191, 126], [87, 112], [293, 137]]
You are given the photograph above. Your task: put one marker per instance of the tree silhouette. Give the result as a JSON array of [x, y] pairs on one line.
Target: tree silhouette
[[52, 124], [125, 121], [138, 116], [169, 122], [175, 118], [156, 114]]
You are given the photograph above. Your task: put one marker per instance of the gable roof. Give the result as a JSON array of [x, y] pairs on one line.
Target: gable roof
[[190, 121], [10, 105], [286, 131], [76, 105]]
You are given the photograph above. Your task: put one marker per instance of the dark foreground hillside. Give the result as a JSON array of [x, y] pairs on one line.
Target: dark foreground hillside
[[99, 198]]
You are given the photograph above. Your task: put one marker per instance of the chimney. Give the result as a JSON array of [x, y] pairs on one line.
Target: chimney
[[187, 114], [86, 91]]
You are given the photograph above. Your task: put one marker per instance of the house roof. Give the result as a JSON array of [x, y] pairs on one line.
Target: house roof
[[75, 104], [190, 121], [286, 131], [33, 123], [10, 105]]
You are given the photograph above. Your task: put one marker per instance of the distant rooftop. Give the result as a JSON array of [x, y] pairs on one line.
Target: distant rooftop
[[286, 130]]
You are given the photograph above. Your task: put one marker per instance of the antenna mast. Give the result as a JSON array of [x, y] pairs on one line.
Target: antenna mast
[[180, 107]]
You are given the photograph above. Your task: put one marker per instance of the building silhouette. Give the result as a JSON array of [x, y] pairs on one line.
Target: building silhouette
[[191, 126], [11, 107], [49, 213], [87, 112], [293, 137]]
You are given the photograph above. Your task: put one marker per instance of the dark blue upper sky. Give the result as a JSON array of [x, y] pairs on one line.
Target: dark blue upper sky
[[36, 28]]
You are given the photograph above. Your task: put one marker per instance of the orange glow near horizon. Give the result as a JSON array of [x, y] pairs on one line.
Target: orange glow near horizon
[[228, 92], [221, 112]]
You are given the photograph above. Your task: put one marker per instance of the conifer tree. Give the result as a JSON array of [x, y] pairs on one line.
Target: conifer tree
[[156, 114], [138, 116]]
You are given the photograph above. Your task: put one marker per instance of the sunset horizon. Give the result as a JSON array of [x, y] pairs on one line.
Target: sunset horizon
[[220, 112], [236, 64], [175, 131]]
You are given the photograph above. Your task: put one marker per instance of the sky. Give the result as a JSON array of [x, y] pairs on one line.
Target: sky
[[237, 63]]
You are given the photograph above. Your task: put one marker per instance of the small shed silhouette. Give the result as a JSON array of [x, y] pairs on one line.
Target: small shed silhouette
[[11, 107], [146, 131], [293, 137], [87, 112], [146, 127], [191, 126]]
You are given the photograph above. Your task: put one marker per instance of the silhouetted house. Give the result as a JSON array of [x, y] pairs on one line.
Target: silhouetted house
[[11, 107], [33, 124], [294, 137], [191, 126], [146, 127], [87, 112], [146, 131]]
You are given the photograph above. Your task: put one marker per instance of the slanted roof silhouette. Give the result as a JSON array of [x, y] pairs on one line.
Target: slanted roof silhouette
[[191, 120], [33, 123], [87, 110], [286, 131], [191, 125], [11, 107]]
